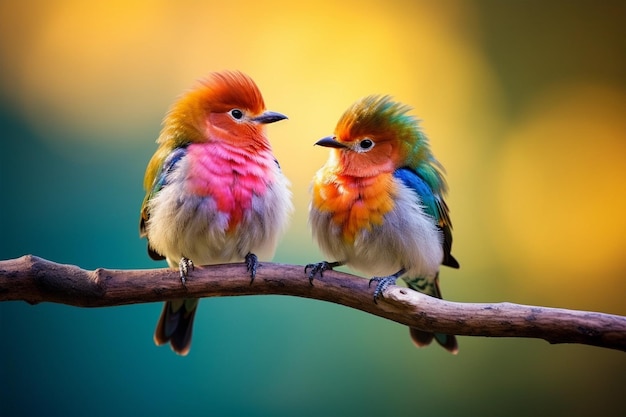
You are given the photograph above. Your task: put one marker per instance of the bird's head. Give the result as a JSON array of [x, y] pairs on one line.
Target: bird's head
[[376, 134], [226, 106]]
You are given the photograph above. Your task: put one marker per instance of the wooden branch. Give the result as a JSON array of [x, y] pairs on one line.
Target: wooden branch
[[34, 280]]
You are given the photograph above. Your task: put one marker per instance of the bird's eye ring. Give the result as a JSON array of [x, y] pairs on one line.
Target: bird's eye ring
[[236, 114], [365, 144]]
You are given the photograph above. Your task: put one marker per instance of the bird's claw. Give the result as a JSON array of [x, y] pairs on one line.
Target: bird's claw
[[252, 263], [382, 283], [319, 268], [184, 266]]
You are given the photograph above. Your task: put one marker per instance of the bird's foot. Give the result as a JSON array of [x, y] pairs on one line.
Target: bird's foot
[[319, 268], [252, 263], [184, 266], [383, 282]]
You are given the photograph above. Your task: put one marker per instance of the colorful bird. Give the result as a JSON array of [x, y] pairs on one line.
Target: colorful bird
[[214, 190], [377, 204]]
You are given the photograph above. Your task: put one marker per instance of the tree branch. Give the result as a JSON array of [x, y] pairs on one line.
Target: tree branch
[[34, 280]]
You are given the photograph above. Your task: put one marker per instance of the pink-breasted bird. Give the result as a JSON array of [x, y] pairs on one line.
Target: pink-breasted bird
[[377, 204], [214, 190]]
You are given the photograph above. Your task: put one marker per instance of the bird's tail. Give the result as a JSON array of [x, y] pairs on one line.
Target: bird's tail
[[420, 337], [175, 324]]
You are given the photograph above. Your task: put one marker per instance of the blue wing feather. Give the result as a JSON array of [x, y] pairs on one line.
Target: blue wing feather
[[412, 180], [160, 181], [433, 205], [168, 165]]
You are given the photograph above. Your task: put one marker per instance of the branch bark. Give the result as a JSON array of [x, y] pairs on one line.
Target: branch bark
[[35, 280]]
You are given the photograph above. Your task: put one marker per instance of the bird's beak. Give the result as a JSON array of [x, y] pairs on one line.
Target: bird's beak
[[269, 117], [330, 142]]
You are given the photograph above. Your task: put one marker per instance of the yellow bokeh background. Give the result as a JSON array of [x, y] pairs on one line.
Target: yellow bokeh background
[[560, 197], [524, 104]]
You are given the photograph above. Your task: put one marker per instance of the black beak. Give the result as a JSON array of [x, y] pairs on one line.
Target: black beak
[[269, 117], [330, 142]]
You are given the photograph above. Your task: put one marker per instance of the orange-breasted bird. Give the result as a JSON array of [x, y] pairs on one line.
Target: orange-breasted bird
[[215, 192], [378, 203]]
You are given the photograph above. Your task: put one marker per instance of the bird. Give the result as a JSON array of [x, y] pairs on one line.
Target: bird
[[215, 192], [378, 206]]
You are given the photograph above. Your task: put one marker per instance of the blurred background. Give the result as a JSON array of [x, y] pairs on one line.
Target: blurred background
[[524, 103]]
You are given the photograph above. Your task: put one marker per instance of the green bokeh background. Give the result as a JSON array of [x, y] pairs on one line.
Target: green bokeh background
[[76, 200]]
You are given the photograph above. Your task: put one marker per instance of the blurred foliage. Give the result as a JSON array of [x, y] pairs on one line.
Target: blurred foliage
[[524, 102]]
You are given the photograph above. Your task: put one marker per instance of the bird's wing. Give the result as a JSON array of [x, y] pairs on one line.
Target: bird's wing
[[433, 205], [156, 178]]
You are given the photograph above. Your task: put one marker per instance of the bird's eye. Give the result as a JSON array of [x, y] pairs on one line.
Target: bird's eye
[[236, 114], [366, 144]]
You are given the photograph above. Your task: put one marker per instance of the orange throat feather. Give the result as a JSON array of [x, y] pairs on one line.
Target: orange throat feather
[[355, 203]]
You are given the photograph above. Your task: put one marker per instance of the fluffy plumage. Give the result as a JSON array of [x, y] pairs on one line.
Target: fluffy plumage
[[377, 204], [214, 190]]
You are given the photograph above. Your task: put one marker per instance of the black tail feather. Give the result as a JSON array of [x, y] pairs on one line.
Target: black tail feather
[[176, 324]]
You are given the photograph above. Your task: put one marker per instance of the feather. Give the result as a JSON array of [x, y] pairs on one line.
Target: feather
[[175, 325], [422, 338], [433, 205]]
